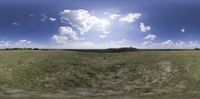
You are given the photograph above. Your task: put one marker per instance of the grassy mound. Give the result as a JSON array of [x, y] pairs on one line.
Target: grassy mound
[[127, 73]]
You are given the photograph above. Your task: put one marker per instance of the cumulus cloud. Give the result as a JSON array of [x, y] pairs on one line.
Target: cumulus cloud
[[52, 19], [144, 28], [130, 18], [68, 32], [79, 22], [60, 39], [84, 20], [65, 33], [150, 37], [23, 43]]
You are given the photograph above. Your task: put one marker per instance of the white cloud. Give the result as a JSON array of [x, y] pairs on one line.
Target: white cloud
[[103, 36], [146, 43], [168, 42], [130, 18], [123, 41], [84, 21], [44, 17], [60, 39], [150, 37], [15, 23], [114, 16], [182, 30], [12, 44], [65, 33], [23, 43], [193, 42], [52, 19], [68, 32], [144, 28], [5, 44], [104, 24], [180, 44]]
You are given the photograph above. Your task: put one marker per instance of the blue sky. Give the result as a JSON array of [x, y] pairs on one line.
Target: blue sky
[[100, 23]]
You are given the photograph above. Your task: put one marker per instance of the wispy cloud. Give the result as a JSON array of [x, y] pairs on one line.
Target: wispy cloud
[[150, 37], [130, 18], [15, 23], [44, 17], [172, 44]]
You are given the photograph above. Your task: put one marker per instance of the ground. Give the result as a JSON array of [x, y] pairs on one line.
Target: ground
[[73, 73]]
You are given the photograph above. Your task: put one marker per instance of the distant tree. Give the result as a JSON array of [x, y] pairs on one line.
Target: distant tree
[[196, 48], [35, 48], [122, 49], [28, 49]]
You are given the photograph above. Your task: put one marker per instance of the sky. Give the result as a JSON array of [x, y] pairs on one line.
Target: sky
[[98, 24]]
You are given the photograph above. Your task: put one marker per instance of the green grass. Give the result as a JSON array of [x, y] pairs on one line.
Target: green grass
[[125, 73]]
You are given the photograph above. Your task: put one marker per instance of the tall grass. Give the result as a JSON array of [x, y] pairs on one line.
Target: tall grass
[[124, 72]]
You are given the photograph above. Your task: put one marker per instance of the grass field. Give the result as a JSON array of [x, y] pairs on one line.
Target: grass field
[[135, 73]]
